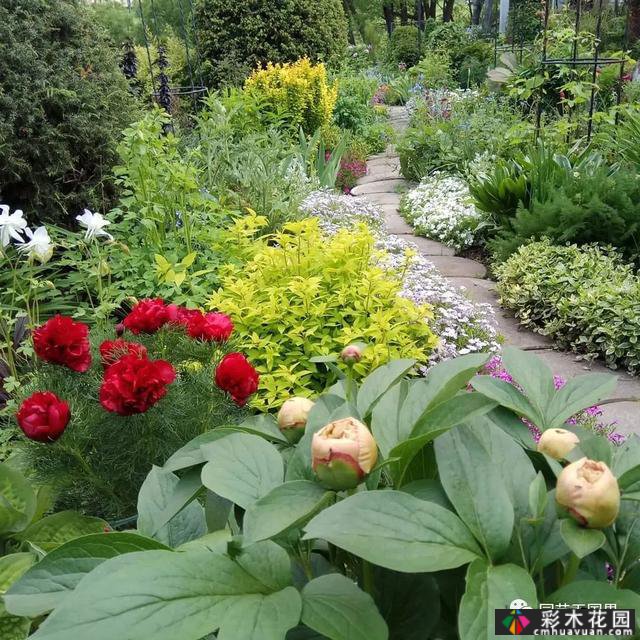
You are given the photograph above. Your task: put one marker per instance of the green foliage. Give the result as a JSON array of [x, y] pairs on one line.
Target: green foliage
[[26, 535], [357, 565], [63, 103], [589, 206], [476, 125], [102, 458], [584, 298], [237, 37], [122, 25], [309, 296], [433, 71], [405, 46]]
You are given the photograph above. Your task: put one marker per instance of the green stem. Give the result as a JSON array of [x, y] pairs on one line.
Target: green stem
[[571, 570], [368, 582]]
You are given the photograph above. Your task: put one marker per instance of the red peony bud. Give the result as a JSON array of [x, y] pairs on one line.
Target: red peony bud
[[237, 377], [120, 329], [43, 416], [343, 453], [61, 340], [352, 353]]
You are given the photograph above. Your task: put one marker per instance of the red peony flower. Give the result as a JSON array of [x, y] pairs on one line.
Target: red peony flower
[[237, 377], [112, 350], [61, 340], [180, 315], [209, 326], [133, 384], [43, 416], [147, 316]]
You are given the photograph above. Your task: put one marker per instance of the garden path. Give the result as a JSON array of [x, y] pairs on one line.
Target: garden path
[[383, 185]]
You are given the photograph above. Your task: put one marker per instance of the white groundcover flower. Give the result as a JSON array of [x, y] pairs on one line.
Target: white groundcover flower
[[39, 245], [11, 225], [94, 223]]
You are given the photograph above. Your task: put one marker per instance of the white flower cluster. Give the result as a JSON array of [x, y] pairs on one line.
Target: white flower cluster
[[336, 212], [37, 244], [463, 326], [440, 208]]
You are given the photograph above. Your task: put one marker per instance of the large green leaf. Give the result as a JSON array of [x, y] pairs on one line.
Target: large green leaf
[[395, 530], [45, 585], [13, 566], [579, 393], [162, 595], [442, 382], [242, 468], [508, 396], [434, 423], [387, 426], [378, 382], [286, 506], [166, 507], [533, 376], [490, 588], [56, 529], [335, 607], [476, 488], [17, 501], [580, 540]]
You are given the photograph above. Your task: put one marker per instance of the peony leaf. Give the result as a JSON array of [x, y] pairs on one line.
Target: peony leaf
[[396, 531], [242, 468], [17, 501], [45, 585], [188, 595], [287, 506], [378, 382], [334, 606], [580, 540]]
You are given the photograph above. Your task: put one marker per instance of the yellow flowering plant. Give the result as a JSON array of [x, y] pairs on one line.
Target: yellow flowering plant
[[302, 295], [300, 89]]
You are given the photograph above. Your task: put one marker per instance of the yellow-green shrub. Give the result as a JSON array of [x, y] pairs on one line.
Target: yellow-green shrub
[[307, 295], [298, 90]]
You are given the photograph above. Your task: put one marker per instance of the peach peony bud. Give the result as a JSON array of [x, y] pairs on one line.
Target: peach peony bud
[[590, 493], [292, 418], [343, 453], [557, 443], [352, 353]]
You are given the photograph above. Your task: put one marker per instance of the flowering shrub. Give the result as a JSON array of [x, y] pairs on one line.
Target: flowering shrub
[[303, 295], [440, 208], [299, 88], [462, 326], [398, 491], [351, 169], [108, 408]]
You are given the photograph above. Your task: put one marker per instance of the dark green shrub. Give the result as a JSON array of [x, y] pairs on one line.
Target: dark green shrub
[[403, 46], [63, 104], [236, 37], [592, 208], [471, 63]]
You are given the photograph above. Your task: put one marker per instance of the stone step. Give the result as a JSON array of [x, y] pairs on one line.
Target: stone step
[[380, 174], [428, 247], [381, 199], [453, 266], [382, 186]]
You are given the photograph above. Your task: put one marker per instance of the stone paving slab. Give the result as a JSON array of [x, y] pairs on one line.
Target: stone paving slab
[[428, 247], [381, 186], [453, 266], [382, 174], [382, 198]]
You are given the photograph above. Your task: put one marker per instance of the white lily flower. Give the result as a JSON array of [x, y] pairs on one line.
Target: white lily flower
[[11, 225], [93, 223], [39, 245]]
